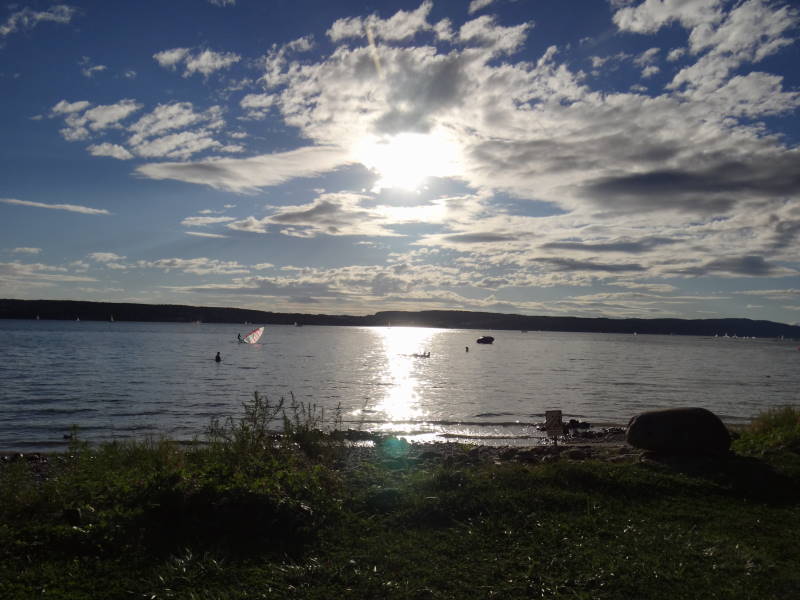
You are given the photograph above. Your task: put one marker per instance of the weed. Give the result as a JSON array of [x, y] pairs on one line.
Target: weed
[[775, 429]]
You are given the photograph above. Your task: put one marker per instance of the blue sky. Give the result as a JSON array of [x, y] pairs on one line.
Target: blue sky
[[617, 159]]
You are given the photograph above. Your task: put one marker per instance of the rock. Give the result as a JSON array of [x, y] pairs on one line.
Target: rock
[[575, 454], [679, 431]]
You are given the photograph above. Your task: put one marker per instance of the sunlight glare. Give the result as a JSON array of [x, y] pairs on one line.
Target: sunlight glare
[[401, 402], [405, 160]]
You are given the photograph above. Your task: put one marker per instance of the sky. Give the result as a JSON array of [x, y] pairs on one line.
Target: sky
[[592, 158]]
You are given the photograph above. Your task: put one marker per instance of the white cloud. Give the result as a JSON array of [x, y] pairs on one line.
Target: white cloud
[[64, 107], [67, 207], [751, 31], [82, 122], [26, 250], [112, 150], [204, 62], [647, 57], [476, 5], [652, 15], [105, 257], [208, 61], [222, 3], [205, 235], [169, 59], [109, 260], [486, 32], [196, 266], [88, 69], [27, 18], [249, 174], [649, 71], [177, 145], [257, 105], [401, 26], [205, 221], [168, 117], [16, 275], [675, 54]]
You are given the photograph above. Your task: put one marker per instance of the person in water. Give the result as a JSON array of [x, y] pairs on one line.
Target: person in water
[[218, 358], [239, 335]]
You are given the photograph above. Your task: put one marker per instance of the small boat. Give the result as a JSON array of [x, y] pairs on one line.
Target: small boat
[[487, 339]]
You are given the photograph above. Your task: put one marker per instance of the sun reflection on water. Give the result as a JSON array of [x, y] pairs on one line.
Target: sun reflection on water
[[404, 371]]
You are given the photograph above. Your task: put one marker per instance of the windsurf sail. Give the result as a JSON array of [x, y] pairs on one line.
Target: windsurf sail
[[253, 336]]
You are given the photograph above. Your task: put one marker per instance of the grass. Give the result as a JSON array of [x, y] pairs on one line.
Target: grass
[[247, 514]]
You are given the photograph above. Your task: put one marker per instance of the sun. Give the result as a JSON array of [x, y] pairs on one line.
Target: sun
[[406, 160]]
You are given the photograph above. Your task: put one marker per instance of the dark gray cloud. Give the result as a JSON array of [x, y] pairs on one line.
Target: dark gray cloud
[[435, 87], [479, 238], [383, 285], [712, 190], [569, 264], [746, 266], [785, 233], [630, 247], [322, 212]]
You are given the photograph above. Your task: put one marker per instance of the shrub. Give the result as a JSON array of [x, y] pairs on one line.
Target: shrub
[[775, 429]]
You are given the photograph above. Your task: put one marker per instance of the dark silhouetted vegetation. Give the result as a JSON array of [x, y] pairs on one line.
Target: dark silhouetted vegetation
[[449, 319]]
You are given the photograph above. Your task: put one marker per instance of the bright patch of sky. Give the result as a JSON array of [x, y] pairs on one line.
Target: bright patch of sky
[[622, 159]]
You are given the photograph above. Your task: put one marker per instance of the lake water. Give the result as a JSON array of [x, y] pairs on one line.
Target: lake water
[[133, 380]]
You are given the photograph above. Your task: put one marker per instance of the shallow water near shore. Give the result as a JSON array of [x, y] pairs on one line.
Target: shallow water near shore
[[133, 380]]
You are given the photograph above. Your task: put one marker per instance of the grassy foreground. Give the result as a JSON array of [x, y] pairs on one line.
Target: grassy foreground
[[247, 516]]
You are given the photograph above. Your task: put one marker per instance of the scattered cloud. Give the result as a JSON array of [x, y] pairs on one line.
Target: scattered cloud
[[205, 221], [26, 19], [195, 266], [476, 5], [112, 150], [88, 69], [249, 174], [82, 122], [67, 207], [205, 234], [204, 62]]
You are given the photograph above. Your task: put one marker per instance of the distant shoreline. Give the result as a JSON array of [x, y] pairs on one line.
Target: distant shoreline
[[72, 310]]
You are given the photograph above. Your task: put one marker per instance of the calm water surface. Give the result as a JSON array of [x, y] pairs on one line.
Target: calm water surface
[[124, 380]]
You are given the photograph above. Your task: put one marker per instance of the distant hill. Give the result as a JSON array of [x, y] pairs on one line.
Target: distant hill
[[451, 319]]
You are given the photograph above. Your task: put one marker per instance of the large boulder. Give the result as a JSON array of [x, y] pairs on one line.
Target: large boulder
[[679, 431]]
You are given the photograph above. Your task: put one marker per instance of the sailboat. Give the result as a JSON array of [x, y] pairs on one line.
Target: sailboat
[[253, 336]]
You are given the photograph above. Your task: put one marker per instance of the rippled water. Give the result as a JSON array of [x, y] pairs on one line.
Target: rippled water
[[122, 380]]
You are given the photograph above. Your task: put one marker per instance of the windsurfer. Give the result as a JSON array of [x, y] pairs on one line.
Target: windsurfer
[[239, 335]]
